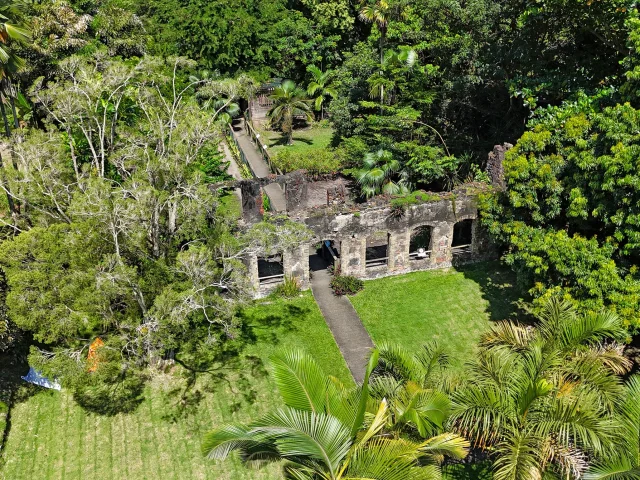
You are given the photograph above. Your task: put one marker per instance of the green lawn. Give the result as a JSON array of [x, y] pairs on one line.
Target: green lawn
[[453, 307], [303, 140], [52, 438]]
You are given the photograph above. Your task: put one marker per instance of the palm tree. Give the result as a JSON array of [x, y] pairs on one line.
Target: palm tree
[[325, 432], [541, 399], [382, 87], [288, 101], [378, 173], [321, 87], [415, 385], [378, 12], [624, 464]]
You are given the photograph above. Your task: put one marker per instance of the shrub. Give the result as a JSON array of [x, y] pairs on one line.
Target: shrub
[[346, 285], [289, 289], [315, 162]]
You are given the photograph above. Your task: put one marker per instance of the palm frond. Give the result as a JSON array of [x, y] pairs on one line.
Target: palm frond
[[517, 457], [508, 334], [446, 445], [299, 433], [300, 380]]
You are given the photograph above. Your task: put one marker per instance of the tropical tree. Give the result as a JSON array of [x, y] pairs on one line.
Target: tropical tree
[[624, 464], [289, 101], [381, 84], [320, 87], [415, 385], [325, 432], [379, 174], [541, 399], [379, 13]]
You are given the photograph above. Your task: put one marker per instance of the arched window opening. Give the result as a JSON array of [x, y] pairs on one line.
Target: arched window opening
[[420, 245]]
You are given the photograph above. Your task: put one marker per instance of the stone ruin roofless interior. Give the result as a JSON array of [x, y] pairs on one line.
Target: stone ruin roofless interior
[[373, 239]]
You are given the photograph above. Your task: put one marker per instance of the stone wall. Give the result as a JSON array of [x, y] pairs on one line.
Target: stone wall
[[350, 231], [355, 227]]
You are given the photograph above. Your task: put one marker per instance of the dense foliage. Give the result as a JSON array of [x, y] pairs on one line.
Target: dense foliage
[[571, 212], [117, 251]]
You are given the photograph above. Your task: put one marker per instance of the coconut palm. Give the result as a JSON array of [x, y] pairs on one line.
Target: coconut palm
[[381, 173], [289, 101], [325, 432], [320, 87], [541, 399], [624, 464]]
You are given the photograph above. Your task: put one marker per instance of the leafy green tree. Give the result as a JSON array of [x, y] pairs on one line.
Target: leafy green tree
[[541, 399], [322, 431], [120, 235], [569, 216], [381, 173], [289, 101], [320, 87]]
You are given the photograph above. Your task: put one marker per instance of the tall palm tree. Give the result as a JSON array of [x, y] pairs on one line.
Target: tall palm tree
[[379, 13], [379, 174], [320, 87], [541, 399], [325, 432], [624, 464], [289, 101], [380, 85]]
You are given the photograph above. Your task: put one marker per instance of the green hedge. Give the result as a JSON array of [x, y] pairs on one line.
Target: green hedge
[[315, 162]]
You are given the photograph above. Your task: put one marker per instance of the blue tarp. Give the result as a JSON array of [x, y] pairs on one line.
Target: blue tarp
[[37, 378]]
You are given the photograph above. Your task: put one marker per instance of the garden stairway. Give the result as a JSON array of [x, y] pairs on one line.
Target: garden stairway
[[259, 166], [345, 324]]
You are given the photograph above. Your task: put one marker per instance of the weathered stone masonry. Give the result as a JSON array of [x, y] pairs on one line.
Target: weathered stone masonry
[[353, 227], [349, 227]]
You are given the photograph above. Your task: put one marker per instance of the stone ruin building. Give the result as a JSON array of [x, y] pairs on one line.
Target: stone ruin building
[[373, 239]]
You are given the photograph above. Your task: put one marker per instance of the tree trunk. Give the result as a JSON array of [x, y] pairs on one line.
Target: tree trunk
[[12, 208], [7, 129], [12, 100]]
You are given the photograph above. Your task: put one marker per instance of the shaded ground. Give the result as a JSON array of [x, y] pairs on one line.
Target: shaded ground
[[453, 307], [52, 438]]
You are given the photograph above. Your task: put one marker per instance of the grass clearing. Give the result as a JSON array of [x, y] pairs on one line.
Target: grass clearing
[[453, 306], [313, 138], [52, 438]]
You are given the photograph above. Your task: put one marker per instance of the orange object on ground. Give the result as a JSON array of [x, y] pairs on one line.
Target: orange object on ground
[[93, 353]]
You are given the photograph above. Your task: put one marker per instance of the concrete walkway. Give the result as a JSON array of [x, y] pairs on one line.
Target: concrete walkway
[[345, 324], [259, 166]]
